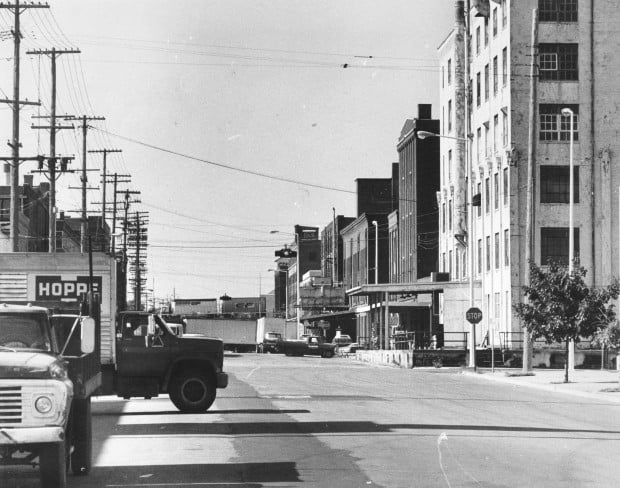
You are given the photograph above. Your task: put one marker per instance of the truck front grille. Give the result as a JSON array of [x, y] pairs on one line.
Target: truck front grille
[[10, 404]]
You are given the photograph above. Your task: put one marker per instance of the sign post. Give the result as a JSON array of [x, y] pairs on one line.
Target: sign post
[[473, 316]]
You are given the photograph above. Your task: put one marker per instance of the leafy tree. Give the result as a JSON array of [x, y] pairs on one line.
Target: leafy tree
[[561, 307], [608, 336]]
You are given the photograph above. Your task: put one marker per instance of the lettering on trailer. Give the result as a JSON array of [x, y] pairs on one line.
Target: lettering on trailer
[[57, 288]]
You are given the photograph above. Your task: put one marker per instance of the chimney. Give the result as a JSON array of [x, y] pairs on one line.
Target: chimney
[[425, 111], [28, 180]]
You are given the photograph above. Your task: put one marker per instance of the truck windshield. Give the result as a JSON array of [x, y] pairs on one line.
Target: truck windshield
[[24, 331]]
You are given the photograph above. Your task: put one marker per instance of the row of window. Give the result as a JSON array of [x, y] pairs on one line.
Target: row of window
[[554, 247], [504, 15], [487, 75]]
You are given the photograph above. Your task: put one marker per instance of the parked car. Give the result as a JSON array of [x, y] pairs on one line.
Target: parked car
[[311, 345], [344, 345], [272, 342]]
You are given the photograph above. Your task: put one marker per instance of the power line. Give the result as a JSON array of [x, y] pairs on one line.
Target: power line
[[226, 166]]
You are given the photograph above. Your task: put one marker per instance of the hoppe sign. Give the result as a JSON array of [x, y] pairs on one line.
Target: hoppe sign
[[59, 288]]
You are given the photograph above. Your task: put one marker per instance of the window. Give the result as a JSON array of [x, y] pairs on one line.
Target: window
[[450, 215], [506, 190], [496, 190], [487, 195], [479, 188], [497, 250], [449, 165], [457, 256], [479, 256], [495, 129], [495, 76], [495, 22], [477, 40], [450, 263], [486, 31], [557, 10], [486, 139], [443, 76], [478, 88], [506, 247], [504, 14], [554, 126], [555, 184], [486, 82], [504, 66], [449, 71], [5, 210], [558, 62], [449, 115], [504, 129], [554, 244], [478, 139], [443, 217], [488, 255]]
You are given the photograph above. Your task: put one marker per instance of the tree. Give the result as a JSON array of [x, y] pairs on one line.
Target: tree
[[609, 336], [561, 307]]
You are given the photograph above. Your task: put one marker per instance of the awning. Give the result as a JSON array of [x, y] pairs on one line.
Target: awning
[[328, 315], [419, 287]]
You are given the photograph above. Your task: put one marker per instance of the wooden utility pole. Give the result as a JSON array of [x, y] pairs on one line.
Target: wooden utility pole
[[84, 119], [18, 9], [115, 179], [53, 128], [530, 221], [105, 153]]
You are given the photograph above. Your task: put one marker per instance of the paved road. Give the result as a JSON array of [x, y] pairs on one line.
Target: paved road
[[289, 422]]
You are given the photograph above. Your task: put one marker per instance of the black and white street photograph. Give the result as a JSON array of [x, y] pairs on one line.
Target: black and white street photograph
[[323, 244]]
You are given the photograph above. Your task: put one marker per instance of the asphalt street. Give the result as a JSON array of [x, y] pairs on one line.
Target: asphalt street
[[292, 422]]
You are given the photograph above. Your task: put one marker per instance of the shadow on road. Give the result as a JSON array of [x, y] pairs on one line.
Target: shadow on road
[[248, 475], [249, 411], [310, 428]]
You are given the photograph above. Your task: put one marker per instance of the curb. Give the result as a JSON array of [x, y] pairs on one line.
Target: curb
[[552, 387]]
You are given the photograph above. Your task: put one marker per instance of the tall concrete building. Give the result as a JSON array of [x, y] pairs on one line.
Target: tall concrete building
[[576, 52]]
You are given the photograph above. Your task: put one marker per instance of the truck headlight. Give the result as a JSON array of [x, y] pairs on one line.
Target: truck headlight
[[43, 404], [58, 371]]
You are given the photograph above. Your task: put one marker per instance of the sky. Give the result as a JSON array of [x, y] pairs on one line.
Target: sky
[[237, 119]]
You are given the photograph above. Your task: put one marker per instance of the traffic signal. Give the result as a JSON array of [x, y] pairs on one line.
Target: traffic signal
[[286, 253]]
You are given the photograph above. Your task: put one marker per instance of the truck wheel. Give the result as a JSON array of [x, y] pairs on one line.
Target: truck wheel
[[82, 435], [53, 465], [192, 392], [328, 354]]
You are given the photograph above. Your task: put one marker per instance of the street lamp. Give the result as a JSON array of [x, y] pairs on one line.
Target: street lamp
[[422, 134], [567, 112], [374, 222]]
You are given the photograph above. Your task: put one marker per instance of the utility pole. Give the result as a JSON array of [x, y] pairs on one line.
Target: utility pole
[[84, 119], [531, 163], [115, 179], [105, 153], [53, 53], [18, 9]]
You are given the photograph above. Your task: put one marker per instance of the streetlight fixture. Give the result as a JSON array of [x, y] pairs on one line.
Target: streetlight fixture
[[567, 112], [423, 134], [376, 224]]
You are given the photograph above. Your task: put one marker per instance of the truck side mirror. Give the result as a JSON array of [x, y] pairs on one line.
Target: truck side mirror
[[87, 337]]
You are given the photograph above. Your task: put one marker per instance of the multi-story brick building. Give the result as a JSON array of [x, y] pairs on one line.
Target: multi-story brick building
[[574, 59]]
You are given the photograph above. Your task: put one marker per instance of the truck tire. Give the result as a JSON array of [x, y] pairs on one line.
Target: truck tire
[[327, 354], [192, 392], [82, 436], [53, 465]]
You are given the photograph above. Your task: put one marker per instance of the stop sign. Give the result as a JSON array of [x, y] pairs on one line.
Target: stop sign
[[473, 315]]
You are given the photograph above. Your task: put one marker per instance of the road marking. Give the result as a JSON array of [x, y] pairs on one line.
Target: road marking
[[251, 372], [442, 437]]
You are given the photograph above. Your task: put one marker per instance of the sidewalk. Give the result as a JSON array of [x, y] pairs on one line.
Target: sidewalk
[[589, 383]]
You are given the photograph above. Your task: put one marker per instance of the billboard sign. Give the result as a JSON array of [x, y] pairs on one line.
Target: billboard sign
[[69, 288]]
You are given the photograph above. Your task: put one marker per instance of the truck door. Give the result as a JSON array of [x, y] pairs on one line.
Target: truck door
[[143, 347]]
